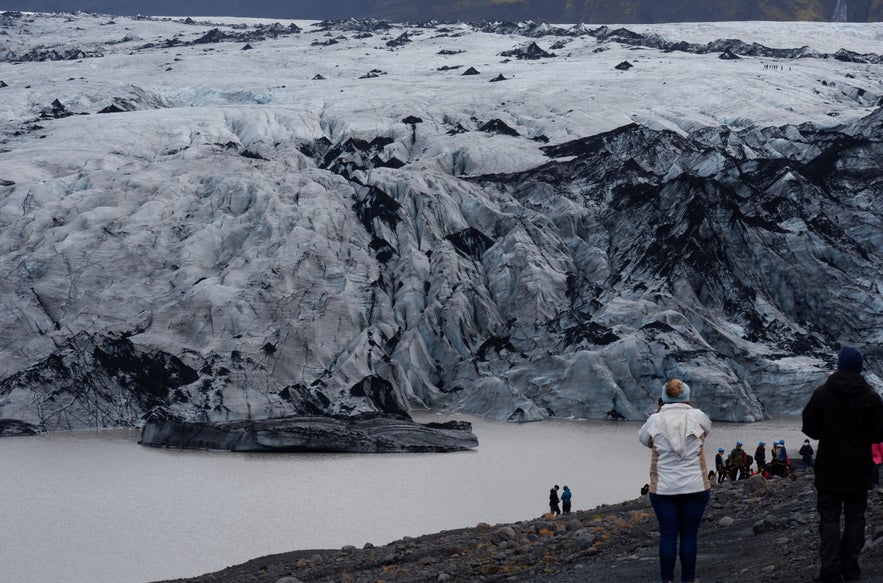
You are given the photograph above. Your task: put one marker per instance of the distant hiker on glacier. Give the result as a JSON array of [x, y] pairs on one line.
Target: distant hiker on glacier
[[679, 485], [845, 415], [553, 501], [565, 500]]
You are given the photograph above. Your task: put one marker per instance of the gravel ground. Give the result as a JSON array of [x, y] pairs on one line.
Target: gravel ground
[[754, 530]]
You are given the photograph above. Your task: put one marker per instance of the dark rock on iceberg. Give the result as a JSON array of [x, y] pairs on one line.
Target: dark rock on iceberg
[[457, 129], [212, 36], [471, 71], [13, 427], [216, 35], [627, 37], [399, 41], [377, 205], [496, 126], [55, 111], [359, 434], [40, 54], [494, 344], [624, 66], [112, 108], [471, 242], [95, 381], [729, 55], [590, 333], [853, 57], [530, 51], [367, 25], [499, 77], [252, 154], [393, 162]]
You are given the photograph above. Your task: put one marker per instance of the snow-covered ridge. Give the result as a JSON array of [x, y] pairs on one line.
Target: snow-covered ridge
[[263, 222]]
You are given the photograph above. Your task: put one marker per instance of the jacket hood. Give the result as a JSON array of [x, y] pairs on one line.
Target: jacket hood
[[847, 384]]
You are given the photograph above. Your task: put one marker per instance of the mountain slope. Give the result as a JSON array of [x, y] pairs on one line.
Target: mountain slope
[[236, 219]]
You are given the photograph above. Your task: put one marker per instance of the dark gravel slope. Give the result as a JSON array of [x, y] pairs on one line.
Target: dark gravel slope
[[755, 530]]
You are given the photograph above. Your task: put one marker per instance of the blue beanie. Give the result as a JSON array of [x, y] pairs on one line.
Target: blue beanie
[[849, 359], [675, 391]]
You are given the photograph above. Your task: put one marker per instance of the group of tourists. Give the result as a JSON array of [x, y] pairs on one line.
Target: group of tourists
[[845, 416], [739, 464], [554, 499]]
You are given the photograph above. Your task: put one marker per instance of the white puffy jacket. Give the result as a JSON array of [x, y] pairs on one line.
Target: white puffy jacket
[[676, 434]]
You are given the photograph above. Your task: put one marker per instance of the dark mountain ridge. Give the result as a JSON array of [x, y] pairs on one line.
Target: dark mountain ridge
[[587, 11]]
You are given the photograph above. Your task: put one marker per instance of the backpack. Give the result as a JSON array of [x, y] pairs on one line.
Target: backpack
[[737, 457], [781, 454]]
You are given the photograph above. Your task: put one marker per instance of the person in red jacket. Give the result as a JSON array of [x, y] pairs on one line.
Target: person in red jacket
[[845, 415], [877, 456]]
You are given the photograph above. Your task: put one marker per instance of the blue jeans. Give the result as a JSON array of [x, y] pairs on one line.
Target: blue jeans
[[679, 516]]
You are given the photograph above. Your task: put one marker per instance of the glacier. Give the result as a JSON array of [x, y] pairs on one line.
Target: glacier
[[241, 219]]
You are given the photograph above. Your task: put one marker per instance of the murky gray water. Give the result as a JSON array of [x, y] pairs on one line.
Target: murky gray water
[[98, 508]]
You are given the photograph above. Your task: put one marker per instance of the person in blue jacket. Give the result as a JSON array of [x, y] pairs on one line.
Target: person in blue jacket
[[565, 500]]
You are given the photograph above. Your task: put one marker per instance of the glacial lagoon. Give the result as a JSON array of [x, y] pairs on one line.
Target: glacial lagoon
[[95, 507]]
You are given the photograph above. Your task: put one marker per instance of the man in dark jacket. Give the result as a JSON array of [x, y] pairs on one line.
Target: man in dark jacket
[[760, 457], [806, 453], [553, 500], [845, 415]]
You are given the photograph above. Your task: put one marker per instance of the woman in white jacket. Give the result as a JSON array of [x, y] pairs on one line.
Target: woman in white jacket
[[679, 486]]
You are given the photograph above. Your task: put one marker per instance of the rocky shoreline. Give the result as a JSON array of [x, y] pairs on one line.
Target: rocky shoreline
[[753, 530]]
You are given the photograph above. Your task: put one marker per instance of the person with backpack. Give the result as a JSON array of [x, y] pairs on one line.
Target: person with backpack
[[679, 484], [781, 464], [737, 461], [845, 415], [782, 452]]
